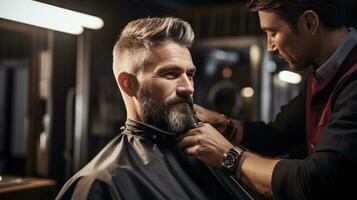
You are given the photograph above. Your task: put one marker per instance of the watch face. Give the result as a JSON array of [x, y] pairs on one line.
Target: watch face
[[229, 160]]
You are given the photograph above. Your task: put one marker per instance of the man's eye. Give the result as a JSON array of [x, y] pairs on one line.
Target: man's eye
[[170, 75], [191, 76], [271, 34]]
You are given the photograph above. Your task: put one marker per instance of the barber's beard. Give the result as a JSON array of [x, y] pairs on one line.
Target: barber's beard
[[175, 118]]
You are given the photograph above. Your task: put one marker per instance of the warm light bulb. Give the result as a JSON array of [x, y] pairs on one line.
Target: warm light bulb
[[247, 92], [227, 72]]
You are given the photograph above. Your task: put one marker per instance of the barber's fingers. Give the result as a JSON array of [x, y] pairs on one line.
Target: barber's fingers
[[198, 109], [189, 140], [194, 131], [204, 114], [192, 151]]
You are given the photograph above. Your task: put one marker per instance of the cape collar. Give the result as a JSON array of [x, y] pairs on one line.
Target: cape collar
[[150, 132]]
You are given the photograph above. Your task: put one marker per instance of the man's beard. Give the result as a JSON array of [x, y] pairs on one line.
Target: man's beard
[[163, 115]]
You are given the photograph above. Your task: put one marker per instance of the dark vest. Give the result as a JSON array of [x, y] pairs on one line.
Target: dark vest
[[320, 97]]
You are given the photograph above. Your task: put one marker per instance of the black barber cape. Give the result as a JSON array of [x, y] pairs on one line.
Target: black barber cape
[[144, 163]]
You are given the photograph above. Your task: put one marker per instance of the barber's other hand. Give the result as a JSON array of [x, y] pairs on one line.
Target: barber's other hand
[[206, 143], [217, 120]]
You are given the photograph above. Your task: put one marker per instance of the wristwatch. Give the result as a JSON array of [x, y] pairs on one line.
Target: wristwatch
[[231, 158]]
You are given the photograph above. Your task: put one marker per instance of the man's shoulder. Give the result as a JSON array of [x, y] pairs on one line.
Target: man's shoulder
[[90, 186], [97, 174]]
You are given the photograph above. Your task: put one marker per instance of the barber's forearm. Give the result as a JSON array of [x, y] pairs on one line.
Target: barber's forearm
[[256, 172]]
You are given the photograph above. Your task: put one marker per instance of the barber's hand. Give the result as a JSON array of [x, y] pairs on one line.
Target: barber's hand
[[217, 120], [206, 143]]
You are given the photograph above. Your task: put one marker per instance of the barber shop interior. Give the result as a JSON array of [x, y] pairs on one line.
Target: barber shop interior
[[177, 99]]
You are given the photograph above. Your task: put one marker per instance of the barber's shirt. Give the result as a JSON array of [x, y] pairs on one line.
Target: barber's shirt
[[338, 56]]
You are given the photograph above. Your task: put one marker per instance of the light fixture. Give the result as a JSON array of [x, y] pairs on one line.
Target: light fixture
[[289, 77], [255, 54], [48, 16], [247, 92], [227, 72]]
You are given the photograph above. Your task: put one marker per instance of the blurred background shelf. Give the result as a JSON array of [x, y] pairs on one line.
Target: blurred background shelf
[[15, 188]]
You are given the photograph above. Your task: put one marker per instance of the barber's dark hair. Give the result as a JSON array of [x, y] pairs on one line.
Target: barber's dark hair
[[330, 12]]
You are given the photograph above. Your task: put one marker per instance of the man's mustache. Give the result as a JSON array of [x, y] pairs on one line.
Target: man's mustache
[[184, 99]]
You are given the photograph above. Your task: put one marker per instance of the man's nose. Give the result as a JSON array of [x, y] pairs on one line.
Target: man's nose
[[185, 86], [271, 47]]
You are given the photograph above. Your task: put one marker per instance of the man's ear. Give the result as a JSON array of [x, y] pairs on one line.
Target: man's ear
[[128, 83], [311, 21]]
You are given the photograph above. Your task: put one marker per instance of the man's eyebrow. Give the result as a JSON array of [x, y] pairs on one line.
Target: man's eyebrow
[[168, 68], [174, 68], [265, 29]]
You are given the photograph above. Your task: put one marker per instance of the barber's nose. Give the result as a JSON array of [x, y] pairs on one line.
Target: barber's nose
[[185, 86], [271, 47]]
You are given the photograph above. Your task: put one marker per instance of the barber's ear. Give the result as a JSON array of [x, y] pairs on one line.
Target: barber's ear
[[128, 83], [311, 21]]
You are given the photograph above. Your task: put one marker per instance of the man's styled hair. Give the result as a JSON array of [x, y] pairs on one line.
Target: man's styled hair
[[330, 12], [140, 35]]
